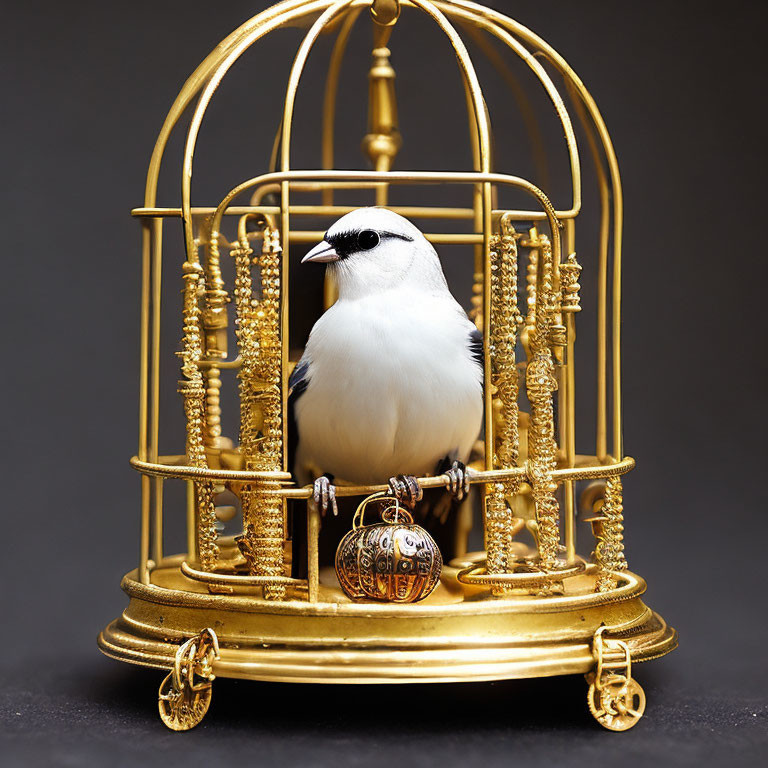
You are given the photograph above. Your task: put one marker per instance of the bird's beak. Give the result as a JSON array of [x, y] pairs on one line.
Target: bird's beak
[[321, 252]]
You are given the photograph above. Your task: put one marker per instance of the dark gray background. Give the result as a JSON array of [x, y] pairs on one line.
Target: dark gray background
[[86, 86]]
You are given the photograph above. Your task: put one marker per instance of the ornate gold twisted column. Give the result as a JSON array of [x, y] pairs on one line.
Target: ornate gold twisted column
[[609, 552], [192, 388], [541, 383], [502, 334], [258, 334]]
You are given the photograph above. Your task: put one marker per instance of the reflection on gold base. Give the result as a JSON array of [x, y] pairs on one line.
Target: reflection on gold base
[[457, 634]]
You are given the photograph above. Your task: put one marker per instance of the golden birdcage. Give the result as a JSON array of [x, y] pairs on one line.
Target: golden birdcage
[[527, 605]]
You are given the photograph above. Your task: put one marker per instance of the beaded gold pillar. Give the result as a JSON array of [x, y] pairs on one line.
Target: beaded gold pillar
[[609, 550], [530, 282], [541, 383], [251, 418], [258, 334], [215, 323], [504, 321], [192, 389]]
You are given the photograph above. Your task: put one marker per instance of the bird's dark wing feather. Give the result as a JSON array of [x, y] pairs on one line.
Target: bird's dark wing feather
[[296, 386], [476, 346], [299, 379]]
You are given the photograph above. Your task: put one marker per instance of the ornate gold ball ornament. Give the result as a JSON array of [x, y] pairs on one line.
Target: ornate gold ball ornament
[[385, 12], [393, 561]]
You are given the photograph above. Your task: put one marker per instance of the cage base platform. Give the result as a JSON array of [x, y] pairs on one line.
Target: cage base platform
[[452, 636]]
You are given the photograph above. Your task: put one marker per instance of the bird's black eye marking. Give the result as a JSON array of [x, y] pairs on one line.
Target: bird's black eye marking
[[367, 239]]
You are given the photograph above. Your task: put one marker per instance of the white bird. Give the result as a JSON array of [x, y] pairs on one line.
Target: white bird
[[390, 383]]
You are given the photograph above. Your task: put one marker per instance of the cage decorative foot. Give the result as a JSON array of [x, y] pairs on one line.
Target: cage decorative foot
[[616, 700], [185, 693]]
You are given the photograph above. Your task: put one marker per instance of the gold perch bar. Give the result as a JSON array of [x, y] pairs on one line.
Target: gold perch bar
[[589, 472]]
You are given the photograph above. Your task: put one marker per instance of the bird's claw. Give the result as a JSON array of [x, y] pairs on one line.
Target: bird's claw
[[406, 489], [324, 495], [457, 480]]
